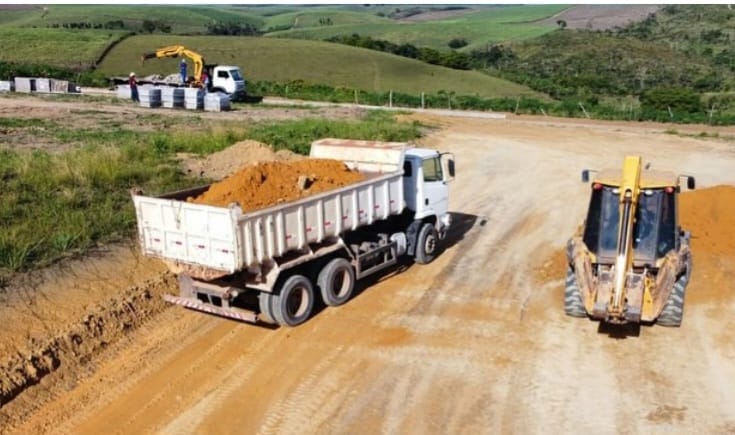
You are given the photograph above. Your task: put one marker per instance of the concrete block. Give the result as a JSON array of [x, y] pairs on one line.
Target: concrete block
[[216, 102], [172, 97], [149, 96], [193, 98], [43, 85], [60, 86], [123, 91], [25, 84]]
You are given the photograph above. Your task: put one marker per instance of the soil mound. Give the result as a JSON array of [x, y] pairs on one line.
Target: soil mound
[[709, 214], [269, 183], [223, 163]]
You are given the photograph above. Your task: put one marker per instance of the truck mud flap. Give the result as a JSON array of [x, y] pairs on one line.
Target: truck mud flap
[[195, 304]]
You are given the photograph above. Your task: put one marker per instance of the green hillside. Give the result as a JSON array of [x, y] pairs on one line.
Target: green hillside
[[267, 59], [74, 49], [478, 28], [182, 19], [688, 46]]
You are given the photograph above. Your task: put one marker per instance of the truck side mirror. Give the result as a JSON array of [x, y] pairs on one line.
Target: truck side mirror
[[586, 176], [690, 183], [450, 167]]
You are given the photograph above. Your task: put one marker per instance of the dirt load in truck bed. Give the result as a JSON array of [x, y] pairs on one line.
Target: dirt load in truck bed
[[270, 183]]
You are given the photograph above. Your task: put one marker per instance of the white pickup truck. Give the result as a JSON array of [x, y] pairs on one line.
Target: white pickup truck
[[269, 265]]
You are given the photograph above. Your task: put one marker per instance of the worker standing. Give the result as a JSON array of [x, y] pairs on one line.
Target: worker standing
[[133, 82], [182, 70], [205, 81]]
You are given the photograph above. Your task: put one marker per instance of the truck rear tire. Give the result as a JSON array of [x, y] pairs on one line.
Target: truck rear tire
[[336, 282], [573, 304], [427, 244], [293, 304]]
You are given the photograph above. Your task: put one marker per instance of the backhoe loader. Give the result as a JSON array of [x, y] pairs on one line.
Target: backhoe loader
[[630, 261]]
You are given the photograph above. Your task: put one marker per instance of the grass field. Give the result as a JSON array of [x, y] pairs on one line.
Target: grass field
[[275, 59], [311, 18], [58, 47], [478, 28], [180, 18]]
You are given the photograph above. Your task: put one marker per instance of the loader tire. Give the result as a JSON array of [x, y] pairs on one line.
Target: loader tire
[[673, 311], [336, 282], [294, 303], [427, 244], [573, 304]]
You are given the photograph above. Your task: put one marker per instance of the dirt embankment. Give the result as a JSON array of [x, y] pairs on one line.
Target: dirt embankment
[[267, 183], [68, 351]]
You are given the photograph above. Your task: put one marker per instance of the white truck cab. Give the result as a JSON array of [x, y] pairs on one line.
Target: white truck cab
[[227, 79], [426, 173]]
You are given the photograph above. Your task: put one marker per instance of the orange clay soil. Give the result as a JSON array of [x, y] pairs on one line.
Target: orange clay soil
[[709, 214], [269, 183]]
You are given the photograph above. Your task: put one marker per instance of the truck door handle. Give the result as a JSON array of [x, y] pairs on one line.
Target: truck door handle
[[426, 201]]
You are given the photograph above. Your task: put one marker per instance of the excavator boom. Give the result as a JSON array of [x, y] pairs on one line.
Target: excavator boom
[[179, 50]]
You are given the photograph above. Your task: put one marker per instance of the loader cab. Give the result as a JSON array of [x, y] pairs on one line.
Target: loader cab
[[655, 231], [426, 174]]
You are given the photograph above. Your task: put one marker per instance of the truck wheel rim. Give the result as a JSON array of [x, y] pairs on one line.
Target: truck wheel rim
[[430, 244]]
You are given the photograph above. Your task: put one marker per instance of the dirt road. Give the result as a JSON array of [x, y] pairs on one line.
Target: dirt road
[[475, 342]]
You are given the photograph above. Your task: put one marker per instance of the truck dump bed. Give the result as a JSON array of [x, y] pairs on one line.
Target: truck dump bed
[[224, 240]]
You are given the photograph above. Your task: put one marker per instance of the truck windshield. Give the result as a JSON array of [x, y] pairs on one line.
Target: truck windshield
[[236, 74]]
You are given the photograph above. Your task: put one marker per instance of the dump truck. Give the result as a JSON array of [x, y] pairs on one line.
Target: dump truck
[[269, 265], [630, 261]]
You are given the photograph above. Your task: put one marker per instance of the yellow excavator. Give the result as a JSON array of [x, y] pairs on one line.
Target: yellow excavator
[[630, 261], [222, 78]]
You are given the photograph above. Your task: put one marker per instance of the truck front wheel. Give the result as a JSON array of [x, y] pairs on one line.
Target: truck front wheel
[[293, 304], [336, 282], [427, 244]]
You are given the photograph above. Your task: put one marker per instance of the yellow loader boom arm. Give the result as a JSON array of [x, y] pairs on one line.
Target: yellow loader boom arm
[[179, 50], [629, 191]]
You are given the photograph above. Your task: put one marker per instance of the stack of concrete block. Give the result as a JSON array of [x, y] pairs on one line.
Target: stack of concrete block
[[193, 98], [123, 91], [61, 86], [25, 84], [7, 86], [149, 96], [172, 97], [216, 102], [43, 85]]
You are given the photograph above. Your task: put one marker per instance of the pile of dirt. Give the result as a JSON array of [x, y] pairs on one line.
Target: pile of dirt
[[269, 183], [709, 214], [223, 163]]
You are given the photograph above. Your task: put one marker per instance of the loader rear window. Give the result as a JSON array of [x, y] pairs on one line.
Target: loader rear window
[[601, 225]]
